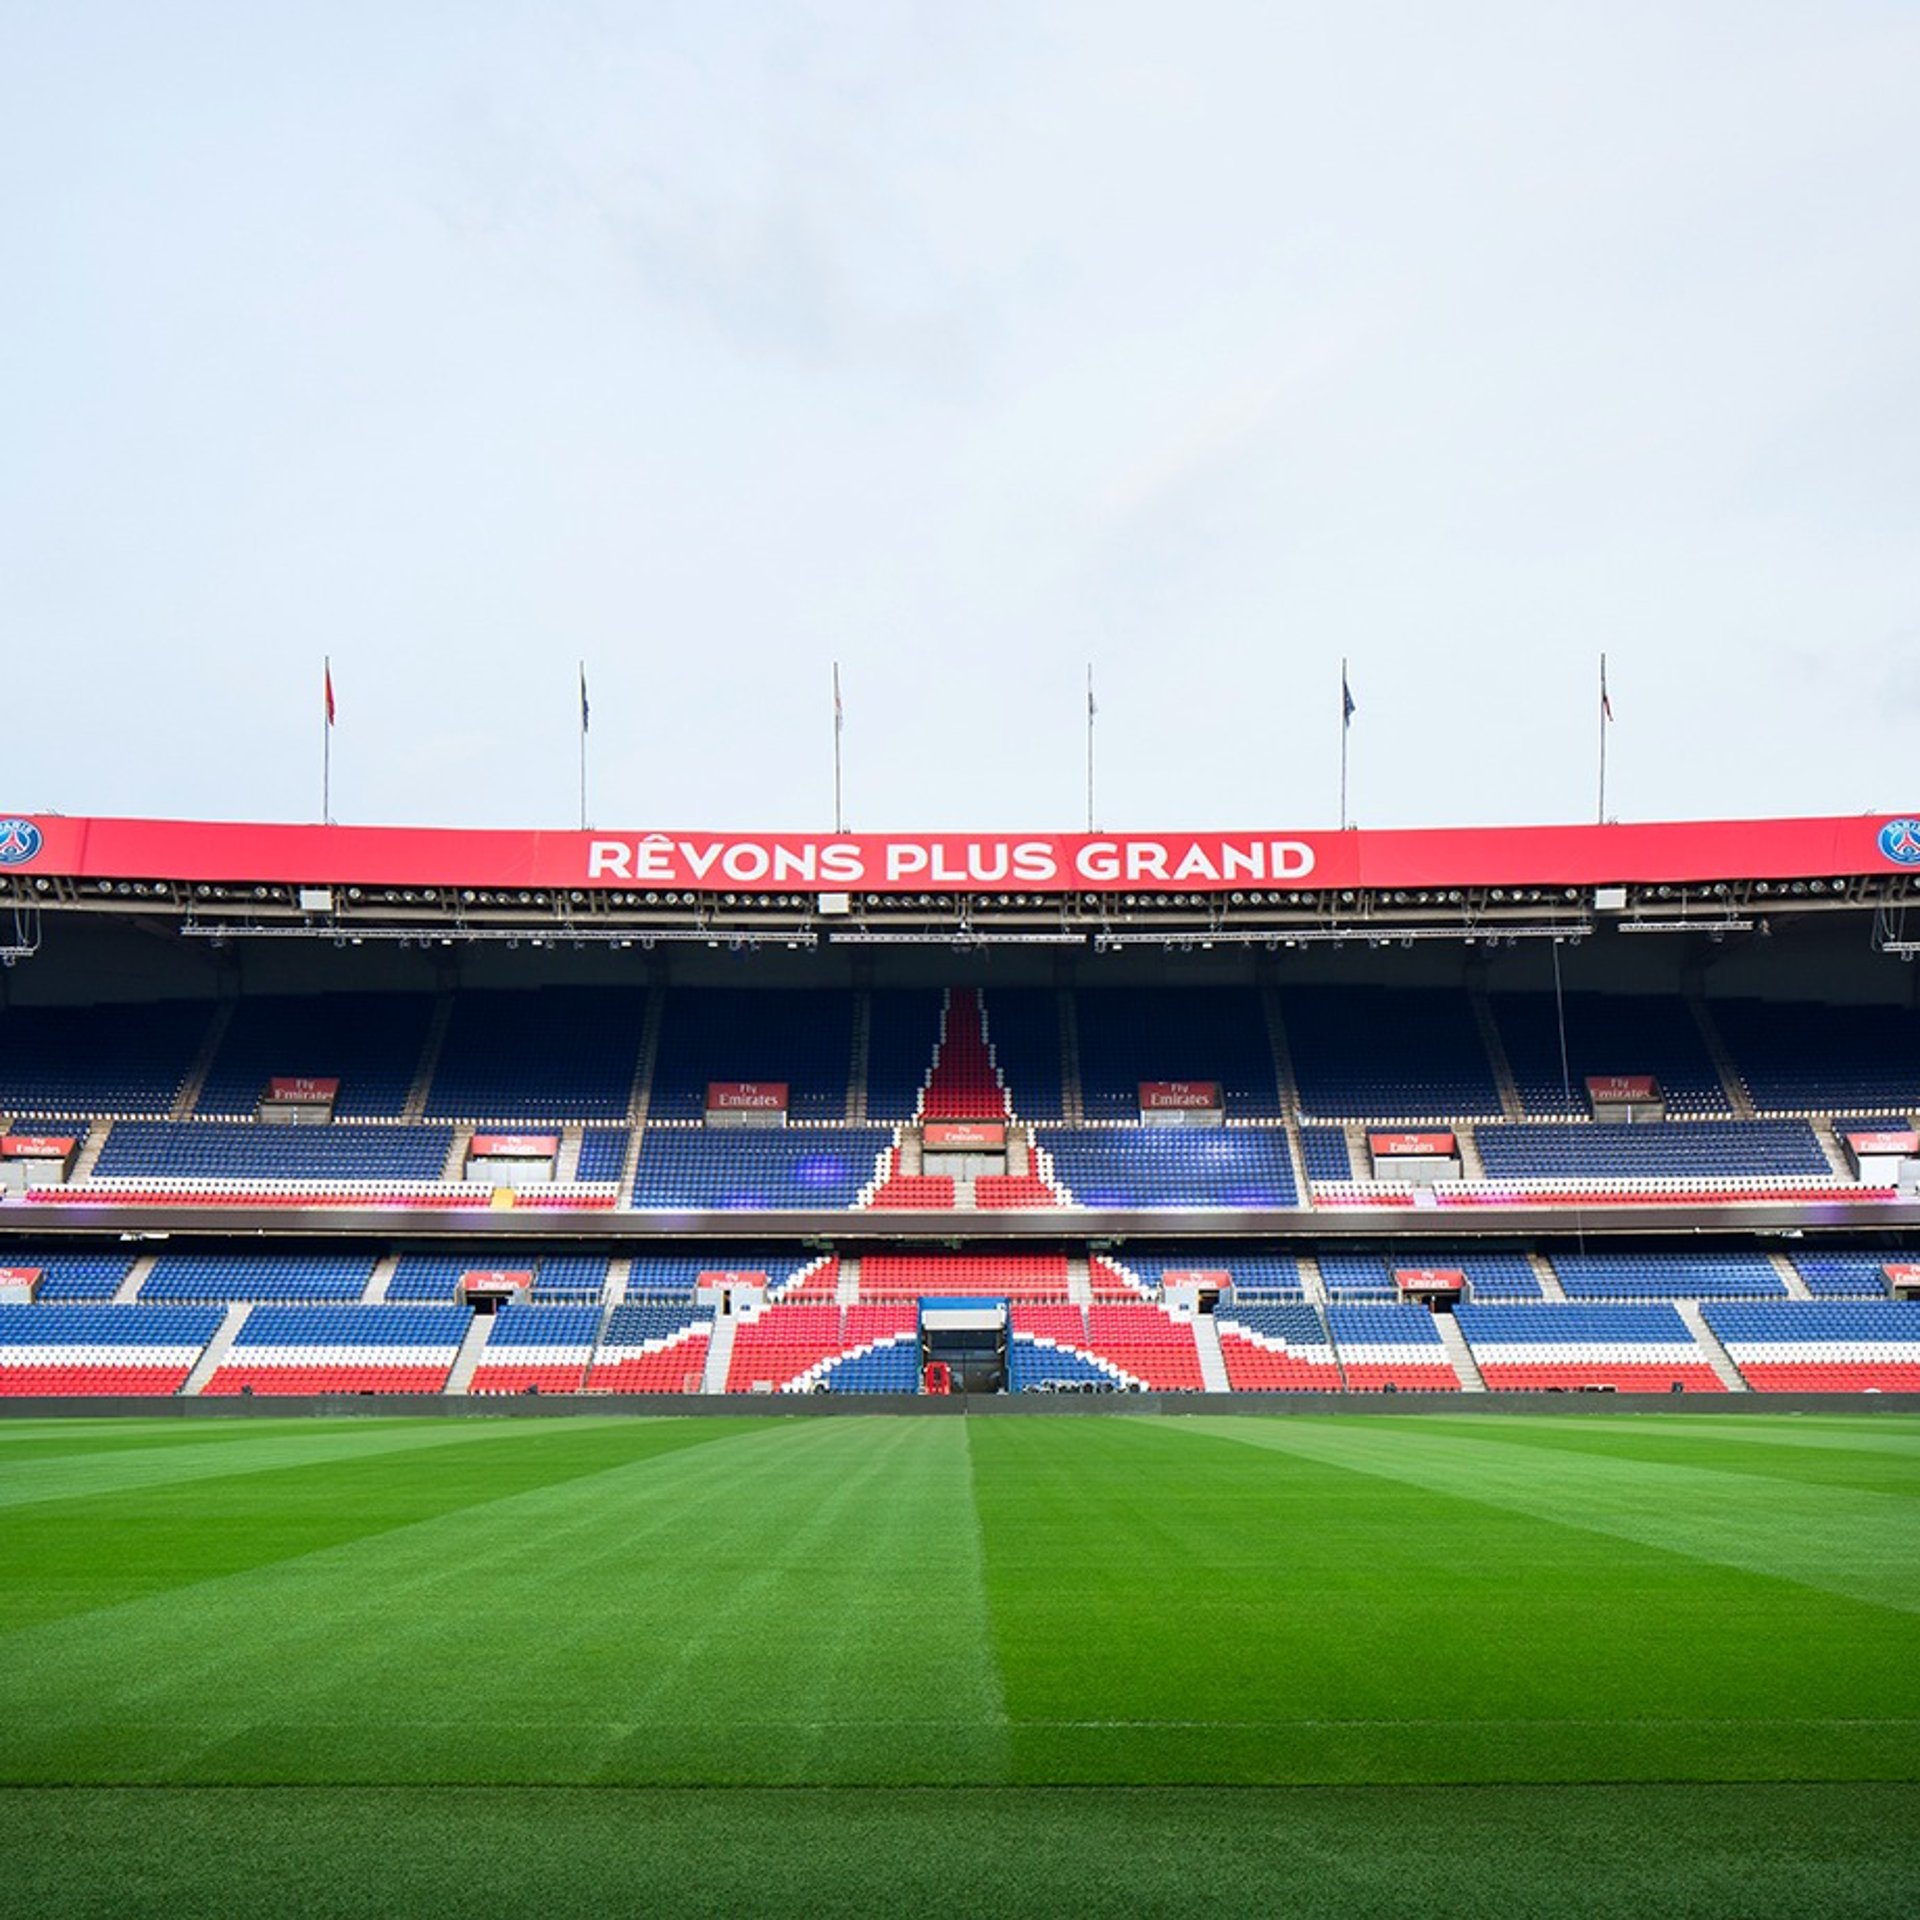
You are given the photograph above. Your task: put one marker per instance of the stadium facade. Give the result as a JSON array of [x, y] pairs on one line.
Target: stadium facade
[[299, 1110]]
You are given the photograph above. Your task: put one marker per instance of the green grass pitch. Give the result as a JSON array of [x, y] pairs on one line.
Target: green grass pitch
[[1130, 1665]]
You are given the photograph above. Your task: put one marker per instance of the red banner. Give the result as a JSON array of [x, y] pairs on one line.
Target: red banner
[[1622, 1086], [1902, 1275], [1425, 857], [36, 1146], [514, 1146], [1411, 1146], [731, 1277], [1170, 1096], [746, 1096], [1888, 1143], [495, 1279], [1210, 1277], [20, 1276], [963, 1133], [1429, 1279], [298, 1090]]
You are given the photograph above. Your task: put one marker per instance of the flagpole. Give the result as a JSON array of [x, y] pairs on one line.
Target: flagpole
[[583, 746], [1092, 710], [1345, 727], [326, 742], [1606, 714], [839, 727]]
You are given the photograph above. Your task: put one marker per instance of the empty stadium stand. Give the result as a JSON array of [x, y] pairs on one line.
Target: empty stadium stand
[[330, 1349], [101, 1349], [1822, 1346], [1554, 1347]]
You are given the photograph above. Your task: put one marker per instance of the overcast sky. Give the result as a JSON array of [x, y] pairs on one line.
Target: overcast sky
[[964, 343]]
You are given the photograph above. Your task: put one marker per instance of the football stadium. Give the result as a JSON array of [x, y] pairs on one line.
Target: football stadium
[[1328, 1372]]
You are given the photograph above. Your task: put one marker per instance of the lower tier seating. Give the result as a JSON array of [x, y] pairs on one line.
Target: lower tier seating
[[101, 1349], [1396, 1347], [1640, 1349], [1276, 1349], [1820, 1346], [647, 1347], [329, 1349], [537, 1346]]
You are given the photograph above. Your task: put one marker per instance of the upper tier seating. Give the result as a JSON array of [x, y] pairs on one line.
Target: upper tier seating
[[1135, 1167], [1799, 1057], [1251, 1275], [1823, 1346], [1131, 1034], [904, 1028], [552, 1053], [1377, 1053], [1350, 1276], [1024, 1025], [258, 1276], [1668, 1276], [101, 1348], [603, 1152], [1606, 1033], [357, 1349], [1669, 1150], [964, 1083], [749, 1168], [1323, 1150], [800, 1036], [102, 1059], [568, 1276], [1643, 1349], [1848, 1275], [370, 1042], [244, 1150], [1490, 1275], [1396, 1347], [68, 1273]]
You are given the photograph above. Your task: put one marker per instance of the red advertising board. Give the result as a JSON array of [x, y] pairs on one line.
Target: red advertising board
[[1900, 1274], [731, 1277], [495, 1279], [1429, 1279], [298, 1090], [1865, 1144], [746, 1096], [1411, 1146], [952, 1134], [514, 1146], [36, 1146], [1567, 856], [1179, 1096], [20, 1276], [1213, 1277], [1622, 1086]]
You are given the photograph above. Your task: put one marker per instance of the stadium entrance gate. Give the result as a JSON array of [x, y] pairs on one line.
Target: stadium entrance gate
[[969, 1338]]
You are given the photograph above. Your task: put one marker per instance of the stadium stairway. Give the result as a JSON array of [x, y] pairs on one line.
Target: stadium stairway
[[719, 1353], [1213, 1363], [862, 1052], [1511, 1104], [210, 1361], [1717, 1356], [460, 1379], [1073, 1105], [1731, 1084], [415, 1105], [380, 1279], [90, 1151], [1313, 1283], [1789, 1277], [129, 1289], [1459, 1353], [194, 1084], [1550, 1287]]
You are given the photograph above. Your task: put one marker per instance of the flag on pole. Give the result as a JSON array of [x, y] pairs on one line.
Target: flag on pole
[[1093, 706], [327, 685], [1606, 705], [585, 710], [839, 712], [1347, 707]]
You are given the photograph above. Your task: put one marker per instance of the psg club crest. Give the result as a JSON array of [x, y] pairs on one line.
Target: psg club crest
[[1899, 841], [20, 841]]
